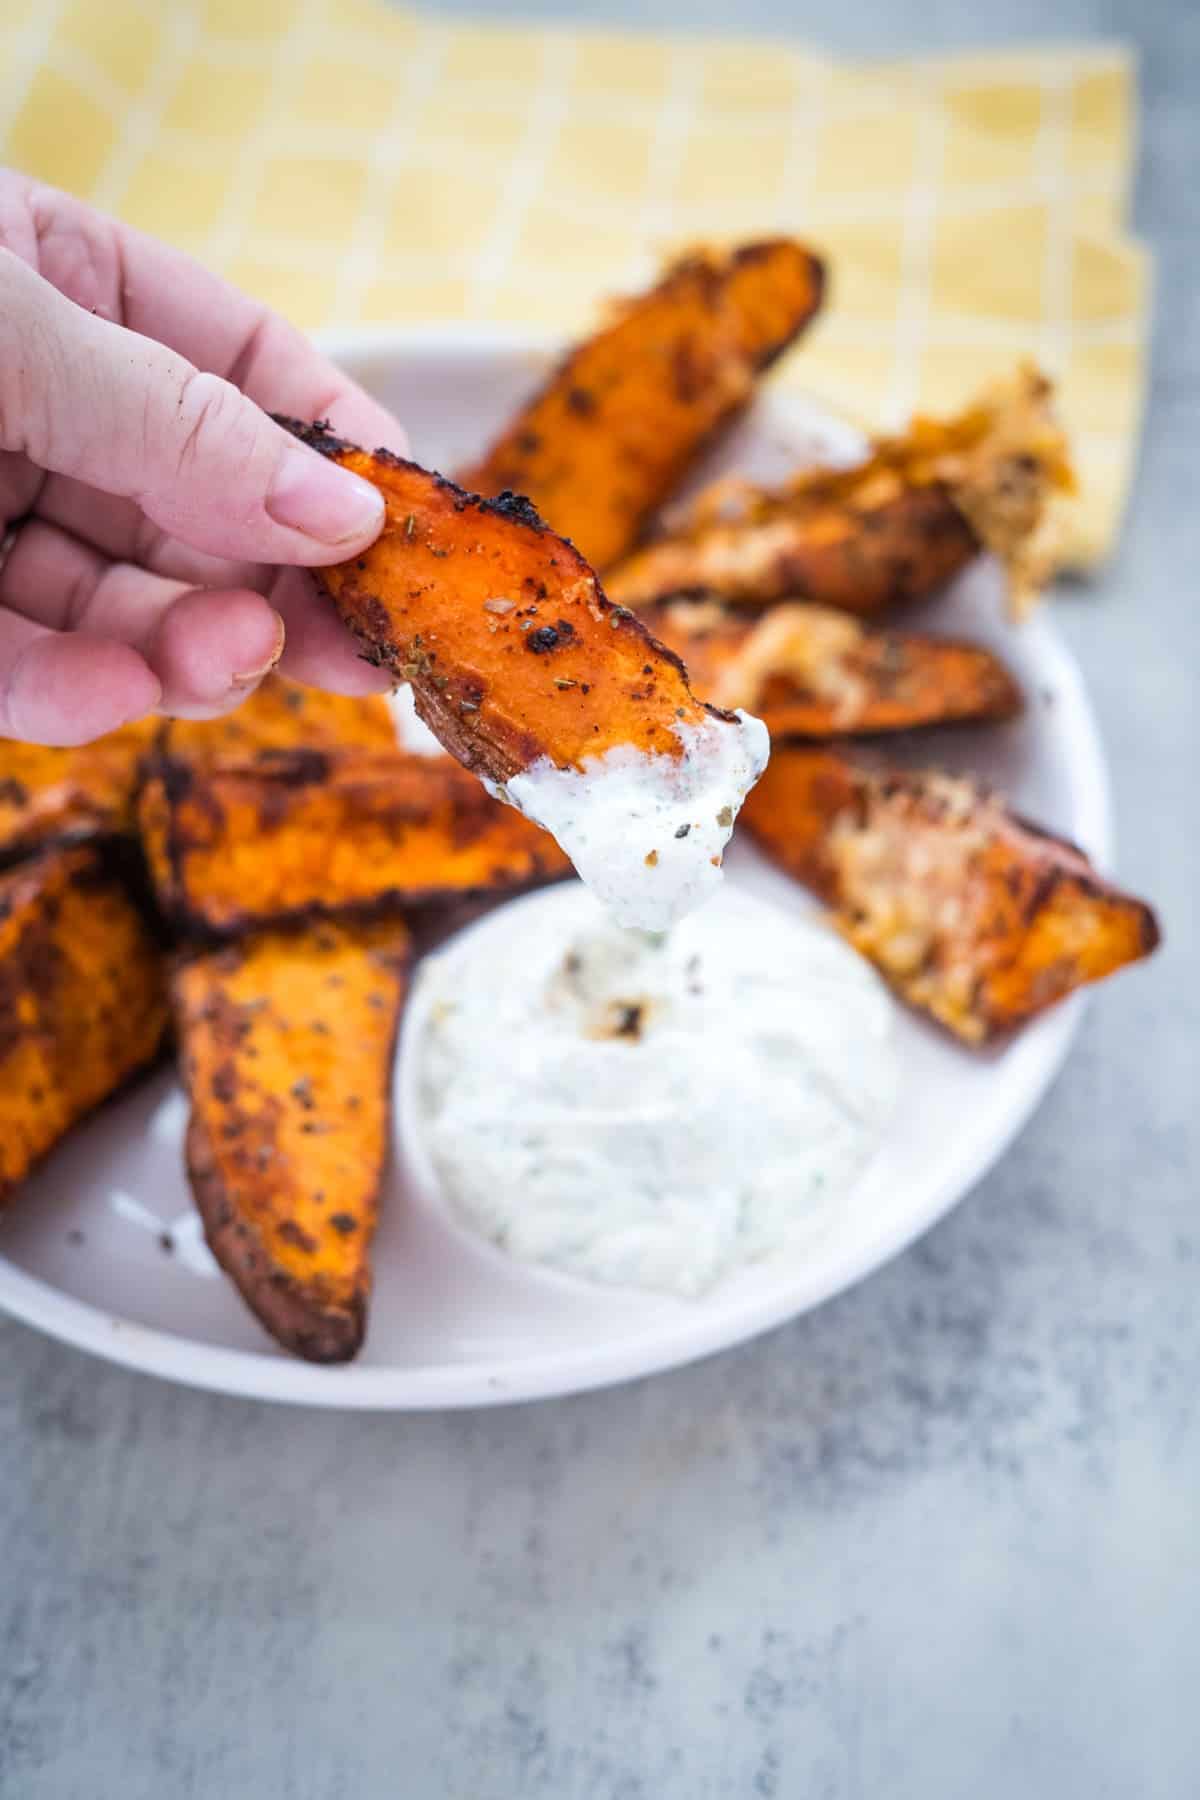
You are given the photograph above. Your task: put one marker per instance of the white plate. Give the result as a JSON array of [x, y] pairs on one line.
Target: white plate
[[103, 1250]]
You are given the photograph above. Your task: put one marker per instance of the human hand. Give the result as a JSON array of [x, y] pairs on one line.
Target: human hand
[[156, 522]]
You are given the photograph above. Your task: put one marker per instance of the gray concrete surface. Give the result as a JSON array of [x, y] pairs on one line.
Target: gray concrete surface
[[938, 1540]]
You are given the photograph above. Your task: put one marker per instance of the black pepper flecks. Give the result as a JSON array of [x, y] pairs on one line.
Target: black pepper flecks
[[629, 1022], [544, 639]]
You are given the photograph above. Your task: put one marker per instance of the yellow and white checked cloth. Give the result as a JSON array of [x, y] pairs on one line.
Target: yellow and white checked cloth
[[348, 162]]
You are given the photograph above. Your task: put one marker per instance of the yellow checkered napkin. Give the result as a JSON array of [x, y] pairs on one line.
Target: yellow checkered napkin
[[349, 162]]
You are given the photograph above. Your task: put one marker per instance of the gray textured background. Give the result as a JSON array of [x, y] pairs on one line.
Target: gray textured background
[[939, 1539]]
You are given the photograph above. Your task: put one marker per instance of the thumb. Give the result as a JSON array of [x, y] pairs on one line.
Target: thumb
[[125, 414]]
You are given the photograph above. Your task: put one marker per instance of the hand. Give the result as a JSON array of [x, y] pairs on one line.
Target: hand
[[155, 520]]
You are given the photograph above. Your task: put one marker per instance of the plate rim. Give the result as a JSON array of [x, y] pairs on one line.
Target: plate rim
[[685, 1338]]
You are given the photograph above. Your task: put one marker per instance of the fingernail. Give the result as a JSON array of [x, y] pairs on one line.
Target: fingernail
[[251, 677], [324, 502]]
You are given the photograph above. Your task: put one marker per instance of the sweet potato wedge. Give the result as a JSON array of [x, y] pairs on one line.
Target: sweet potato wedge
[[52, 796], [563, 703], [56, 796], [813, 672], [606, 439], [282, 715], [971, 914], [83, 998], [512, 650], [891, 529], [304, 834], [286, 1044]]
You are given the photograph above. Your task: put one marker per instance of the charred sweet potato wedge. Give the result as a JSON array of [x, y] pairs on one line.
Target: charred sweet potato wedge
[[891, 529], [813, 672], [51, 796], [83, 998], [512, 650], [56, 796], [607, 438], [286, 1044], [811, 544], [282, 715], [303, 834], [972, 915]]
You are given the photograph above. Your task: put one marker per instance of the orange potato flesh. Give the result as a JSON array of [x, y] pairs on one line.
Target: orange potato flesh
[[607, 438], [83, 1001], [809, 671], [502, 629], [286, 1045], [49, 795], [241, 846], [795, 810], [892, 529], [283, 715], [973, 916]]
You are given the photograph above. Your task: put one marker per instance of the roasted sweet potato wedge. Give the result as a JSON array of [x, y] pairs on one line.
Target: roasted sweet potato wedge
[[893, 528], [240, 846], [971, 914], [83, 997], [282, 715], [286, 1044], [512, 650], [607, 438], [51, 796], [564, 703], [813, 672]]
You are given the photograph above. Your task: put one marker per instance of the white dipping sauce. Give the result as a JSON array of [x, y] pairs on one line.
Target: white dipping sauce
[[647, 832], [644, 1112]]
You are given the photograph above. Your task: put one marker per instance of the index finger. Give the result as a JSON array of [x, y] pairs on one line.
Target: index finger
[[136, 281]]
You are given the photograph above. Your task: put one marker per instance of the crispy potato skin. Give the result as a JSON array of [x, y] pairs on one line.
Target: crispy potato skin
[[810, 672], [607, 438], [283, 715], [971, 914], [862, 551], [510, 645], [51, 796], [83, 1000], [306, 834], [287, 1048]]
